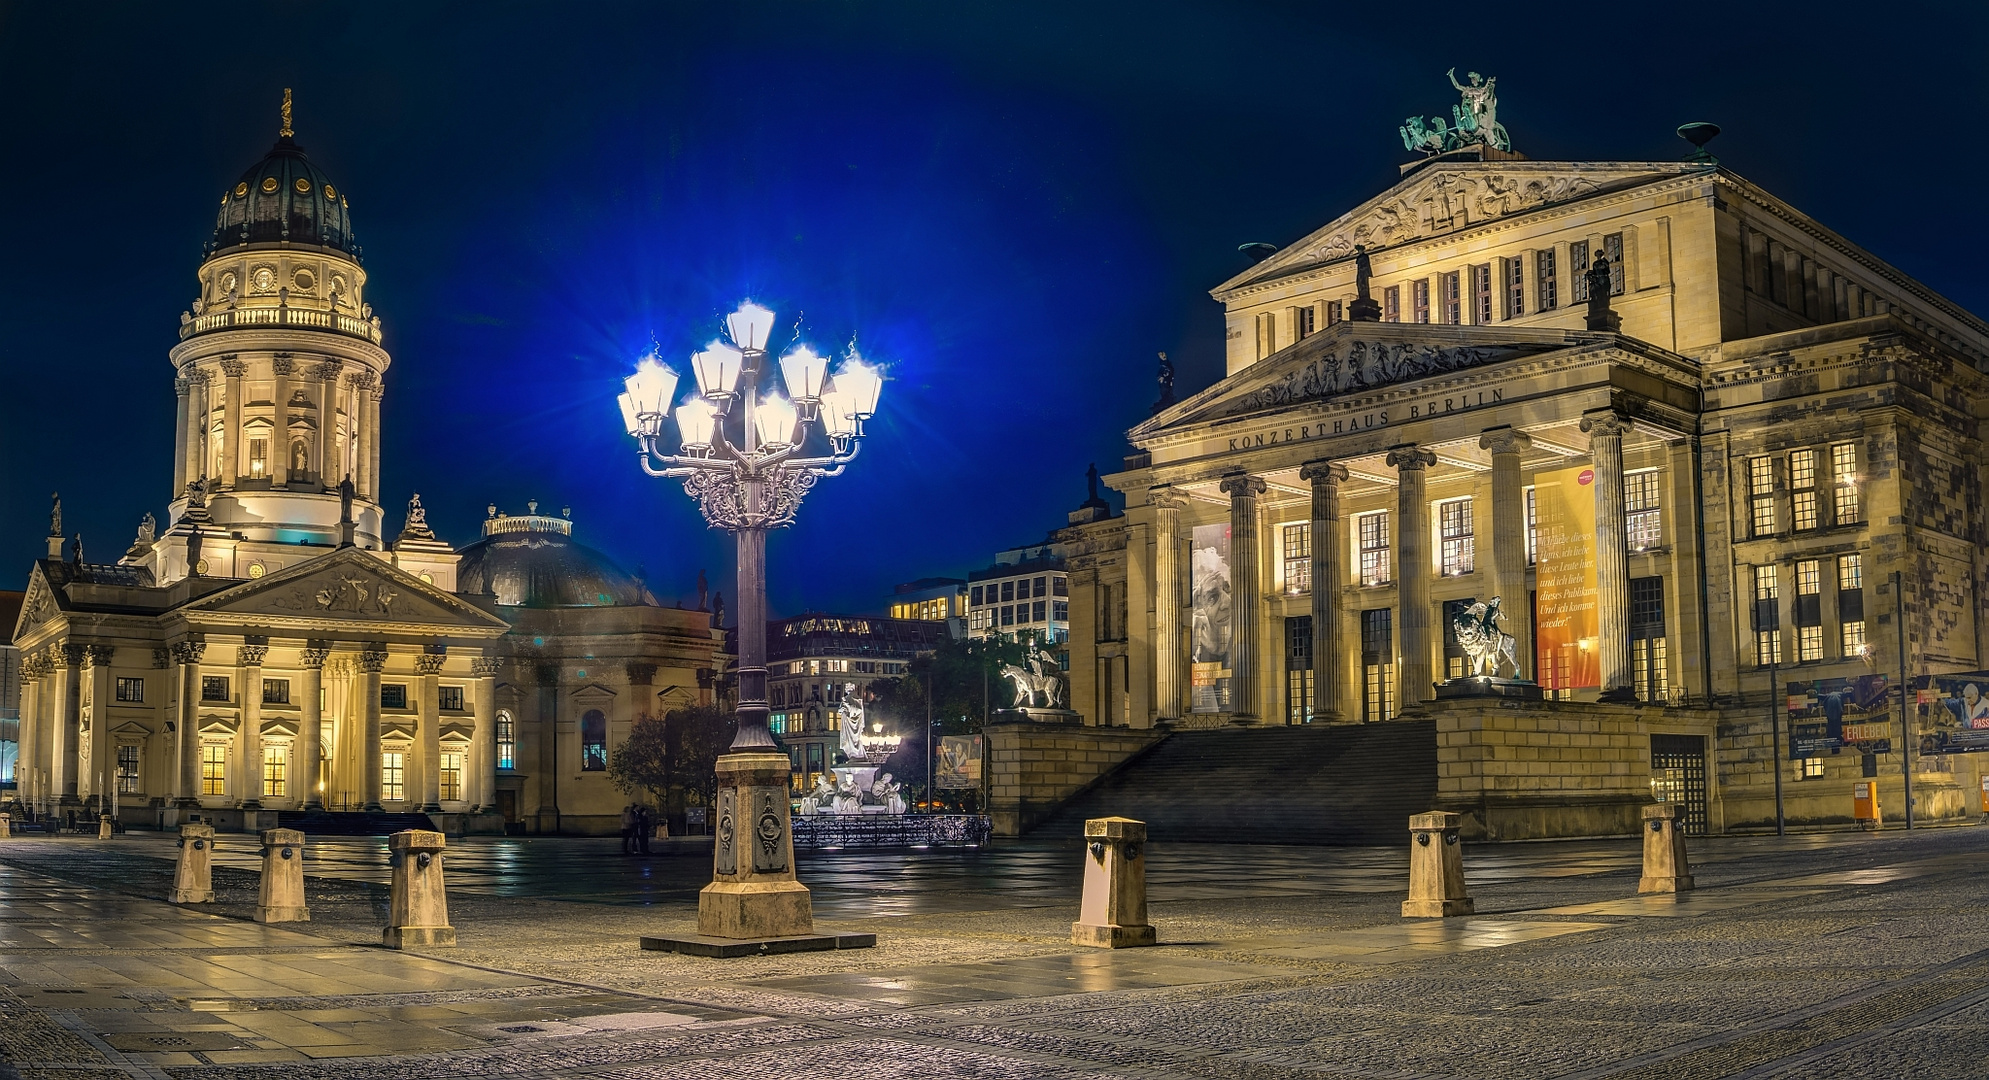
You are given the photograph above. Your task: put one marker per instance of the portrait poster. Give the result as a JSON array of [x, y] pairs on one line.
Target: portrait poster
[[1567, 618], [1209, 627], [1954, 712], [959, 764], [1826, 715]]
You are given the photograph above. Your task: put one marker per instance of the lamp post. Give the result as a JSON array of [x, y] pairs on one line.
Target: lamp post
[[749, 460]]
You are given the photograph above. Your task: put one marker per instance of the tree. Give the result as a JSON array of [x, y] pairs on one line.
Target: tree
[[673, 757]]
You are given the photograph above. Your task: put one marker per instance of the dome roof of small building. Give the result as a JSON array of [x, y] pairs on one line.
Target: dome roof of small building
[[527, 560], [284, 199]]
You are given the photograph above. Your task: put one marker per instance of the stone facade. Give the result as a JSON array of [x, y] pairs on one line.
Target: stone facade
[[1034, 768], [1761, 406]]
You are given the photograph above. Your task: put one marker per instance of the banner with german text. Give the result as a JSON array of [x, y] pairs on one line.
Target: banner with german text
[[1566, 617]]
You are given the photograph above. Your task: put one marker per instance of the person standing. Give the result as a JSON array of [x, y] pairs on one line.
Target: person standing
[[643, 828], [628, 827]]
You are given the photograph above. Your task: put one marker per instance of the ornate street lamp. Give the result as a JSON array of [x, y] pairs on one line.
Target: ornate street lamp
[[748, 460]]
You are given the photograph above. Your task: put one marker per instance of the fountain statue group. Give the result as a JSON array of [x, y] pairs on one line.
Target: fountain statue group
[[841, 793]]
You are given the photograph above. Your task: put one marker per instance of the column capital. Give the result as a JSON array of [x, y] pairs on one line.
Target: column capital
[[1410, 457], [1323, 472], [98, 655], [1504, 440], [329, 370], [486, 667], [234, 368], [640, 674], [1242, 486], [283, 364], [189, 651], [182, 386], [250, 655], [373, 659], [430, 663], [315, 653], [67, 656], [1165, 497], [1605, 423]]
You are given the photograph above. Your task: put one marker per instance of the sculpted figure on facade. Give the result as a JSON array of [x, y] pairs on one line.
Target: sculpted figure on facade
[[1479, 635], [1361, 365]]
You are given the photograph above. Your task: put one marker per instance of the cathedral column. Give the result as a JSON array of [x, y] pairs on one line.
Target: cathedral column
[[546, 769], [68, 661], [231, 436], [1169, 660], [99, 762], [198, 418], [1412, 571], [248, 741], [187, 654], [279, 448], [1245, 592], [1612, 554], [484, 745], [1329, 665], [327, 470], [373, 394], [430, 666], [310, 729], [372, 661], [27, 760], [182, 417], [1509, 541]]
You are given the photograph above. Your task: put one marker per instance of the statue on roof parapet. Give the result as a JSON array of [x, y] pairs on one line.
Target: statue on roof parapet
[[1475, 121]]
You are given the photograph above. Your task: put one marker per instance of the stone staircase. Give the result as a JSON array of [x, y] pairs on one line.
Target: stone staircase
[[1319, 784]]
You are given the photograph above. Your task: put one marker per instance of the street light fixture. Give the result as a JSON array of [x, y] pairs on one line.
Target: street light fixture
[[749, 460]]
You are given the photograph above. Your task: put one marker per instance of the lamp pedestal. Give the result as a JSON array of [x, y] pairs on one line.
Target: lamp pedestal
[[754, 906]]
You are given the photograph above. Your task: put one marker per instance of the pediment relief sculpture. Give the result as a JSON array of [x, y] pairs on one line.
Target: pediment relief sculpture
[[350, 587], [1354, 366]]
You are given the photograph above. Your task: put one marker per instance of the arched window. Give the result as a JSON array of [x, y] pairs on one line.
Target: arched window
[[593, 741], [507, 740]]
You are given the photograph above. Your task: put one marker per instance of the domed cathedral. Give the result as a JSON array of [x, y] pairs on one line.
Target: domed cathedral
[[269, 652], [1639, 439]]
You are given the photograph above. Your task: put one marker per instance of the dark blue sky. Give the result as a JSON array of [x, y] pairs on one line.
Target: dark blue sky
[[1012, 206]]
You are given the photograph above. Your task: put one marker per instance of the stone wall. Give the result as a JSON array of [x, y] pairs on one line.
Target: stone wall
[[1034, 768], [1535, 770], [1945, 788]]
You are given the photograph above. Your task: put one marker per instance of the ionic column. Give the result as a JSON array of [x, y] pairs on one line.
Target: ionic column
[[372, 661], [182, 416], [484, 742], [231, 435], [1329, 666], [430, 666], [328, 472], [1245, 589], [198, 417], [27, 761], [248, 674], [1169, 658], [370, 399], [98, 766], [1509, 541], [187, 654], [1412, 571], [279, 450], [1612, 553], [310, 730], [68, 661]]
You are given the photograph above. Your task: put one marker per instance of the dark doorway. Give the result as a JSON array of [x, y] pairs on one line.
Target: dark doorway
[[1678, 774]]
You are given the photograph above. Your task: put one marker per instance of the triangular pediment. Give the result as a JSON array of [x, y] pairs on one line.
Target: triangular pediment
[[593, 692], [1350, 359], [347, 585], [1447, 198], [40, 604]]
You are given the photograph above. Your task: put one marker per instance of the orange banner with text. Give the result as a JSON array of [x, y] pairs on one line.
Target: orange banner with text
[[1566, 621]]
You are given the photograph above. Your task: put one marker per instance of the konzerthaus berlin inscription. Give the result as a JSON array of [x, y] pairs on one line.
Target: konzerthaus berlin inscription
[[1683, 431]]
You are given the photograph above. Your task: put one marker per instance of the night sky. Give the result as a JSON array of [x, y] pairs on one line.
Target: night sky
[[1011, 206]]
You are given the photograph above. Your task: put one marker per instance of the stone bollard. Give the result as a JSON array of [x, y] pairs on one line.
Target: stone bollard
[[103, 828], [1665, 867], [281, 898], [193, 880], [1436, 868], [1113, 912], [6, 826], [418, 911]]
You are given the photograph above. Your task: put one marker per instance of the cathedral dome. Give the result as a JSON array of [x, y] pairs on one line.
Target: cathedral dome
[[284, 199], [528, 560]]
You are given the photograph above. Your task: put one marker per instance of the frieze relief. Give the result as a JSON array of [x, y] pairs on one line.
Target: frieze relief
[[1355, 366], [1446, 201]]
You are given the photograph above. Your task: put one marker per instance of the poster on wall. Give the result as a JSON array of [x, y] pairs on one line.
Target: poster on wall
[[1954, 712], [1210, 626], [959, 764], [1826, 715], [1567, 623]]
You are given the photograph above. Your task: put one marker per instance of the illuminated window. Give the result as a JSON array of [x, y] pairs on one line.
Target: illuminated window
[[1844, 482], [275, 762], [1544, 278], [449, 698], [1298, 670], [1515, 270], [452, 776], [1767, 614], [1419, 293], [1377, 665], [131, 691], [1802, 489], [1809, 643], [1854, 640], [507, 740], [1481, 293], [258, 459], [276, 691], [213, 769], [1850, 572], [214, 688], [1532, 550], [1578, 262], [1612, 246], [594, 741], [1641, 522], [1454, 534], [1812, 768], [1298, 557], [392, 789], [1391, 304], [1766, 583], [1453, 306], [1761, 494], [127, 770], [1372, 530], [1809, 579], [1648, 672], [1767, 647]]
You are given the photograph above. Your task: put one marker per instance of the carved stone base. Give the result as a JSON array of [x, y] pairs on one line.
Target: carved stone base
[[1488, 687], [753, 894]]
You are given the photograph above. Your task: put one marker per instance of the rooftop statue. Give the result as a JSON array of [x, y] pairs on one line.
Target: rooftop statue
[[1475, 120]]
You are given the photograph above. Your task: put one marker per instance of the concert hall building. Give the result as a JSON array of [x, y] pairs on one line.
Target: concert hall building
[[1692, 505]]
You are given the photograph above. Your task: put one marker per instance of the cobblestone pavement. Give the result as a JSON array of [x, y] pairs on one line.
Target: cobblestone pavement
[[1847, 955]]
